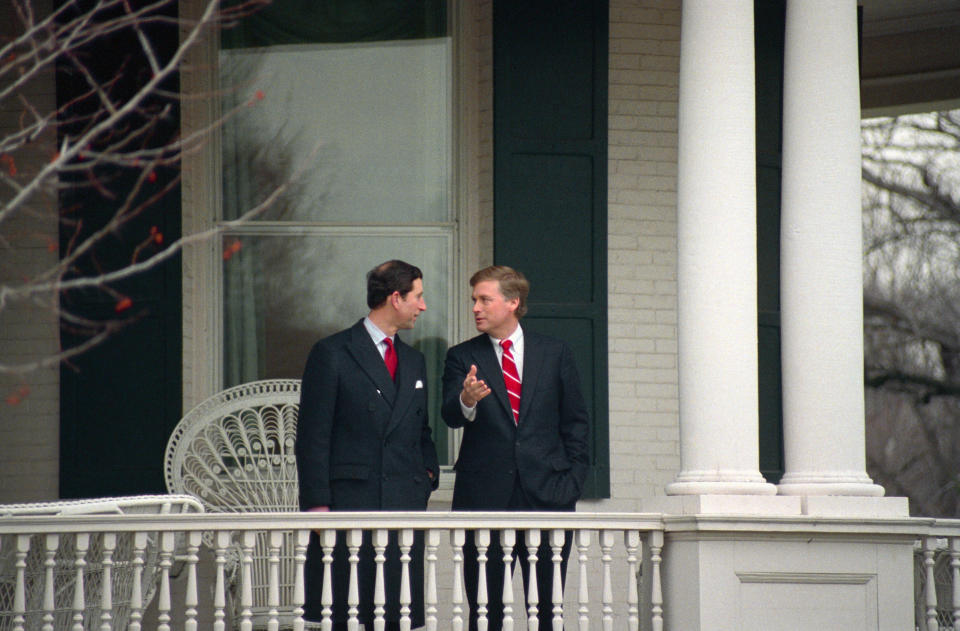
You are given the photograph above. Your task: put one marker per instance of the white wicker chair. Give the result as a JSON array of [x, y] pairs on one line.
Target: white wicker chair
[[235, 453], [65, 571]]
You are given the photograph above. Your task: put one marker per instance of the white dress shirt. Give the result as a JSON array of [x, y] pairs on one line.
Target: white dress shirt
[[470, 413], [377, 336]]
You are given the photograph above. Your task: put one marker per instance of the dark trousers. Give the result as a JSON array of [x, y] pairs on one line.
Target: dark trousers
[[495, 572]]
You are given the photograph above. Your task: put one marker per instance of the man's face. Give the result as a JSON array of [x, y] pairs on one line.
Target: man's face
[[493, 314], [411, 305]]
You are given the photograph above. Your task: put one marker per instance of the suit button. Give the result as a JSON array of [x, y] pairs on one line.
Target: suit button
[[384, 477]]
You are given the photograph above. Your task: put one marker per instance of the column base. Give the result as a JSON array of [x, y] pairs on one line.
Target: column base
[[740, 505], [849, 506], [720, 483], [829, 484]]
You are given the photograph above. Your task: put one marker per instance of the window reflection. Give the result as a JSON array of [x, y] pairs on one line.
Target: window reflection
[[284, 292]]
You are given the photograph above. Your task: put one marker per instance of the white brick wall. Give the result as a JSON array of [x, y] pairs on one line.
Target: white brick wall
[[29, 402], [642, 272]]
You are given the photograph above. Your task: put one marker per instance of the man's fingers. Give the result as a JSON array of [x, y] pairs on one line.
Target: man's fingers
[[482, 391], [471, 377]]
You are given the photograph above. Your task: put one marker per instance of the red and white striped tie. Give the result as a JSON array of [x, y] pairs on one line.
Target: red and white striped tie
[[511, 378]]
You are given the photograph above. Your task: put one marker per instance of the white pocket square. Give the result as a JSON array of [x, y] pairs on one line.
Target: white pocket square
[[418, 385]]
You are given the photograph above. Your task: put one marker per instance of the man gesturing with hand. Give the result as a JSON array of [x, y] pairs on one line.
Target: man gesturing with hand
[[517, 396]]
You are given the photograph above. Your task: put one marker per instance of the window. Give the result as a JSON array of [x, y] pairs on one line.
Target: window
[[352, 118]]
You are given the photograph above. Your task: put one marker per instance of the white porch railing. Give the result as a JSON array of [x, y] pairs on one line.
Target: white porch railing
[[937, 577], [613, 576]]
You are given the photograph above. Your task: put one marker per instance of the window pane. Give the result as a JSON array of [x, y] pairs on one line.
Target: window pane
[[285, 291], [376, 114]]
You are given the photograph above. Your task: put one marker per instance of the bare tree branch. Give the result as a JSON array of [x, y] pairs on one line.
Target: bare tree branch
[[110, 139], [911, 192]]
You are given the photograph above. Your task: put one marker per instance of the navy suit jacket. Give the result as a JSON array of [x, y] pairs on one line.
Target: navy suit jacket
[[547, 450], [363, 441]]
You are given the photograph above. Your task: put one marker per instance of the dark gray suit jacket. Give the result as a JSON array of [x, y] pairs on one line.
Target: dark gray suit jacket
[[547, 450]]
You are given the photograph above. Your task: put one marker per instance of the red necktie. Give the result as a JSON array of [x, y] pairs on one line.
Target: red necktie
[[511, 378], [390, 357]]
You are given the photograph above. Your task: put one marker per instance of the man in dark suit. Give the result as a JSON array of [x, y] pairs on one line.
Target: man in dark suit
[[517, 395], [363, 440]]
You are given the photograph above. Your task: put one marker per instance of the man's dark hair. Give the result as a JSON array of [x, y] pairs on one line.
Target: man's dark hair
[[386, 278]]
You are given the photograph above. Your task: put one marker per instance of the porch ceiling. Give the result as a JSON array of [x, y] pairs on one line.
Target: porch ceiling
[[910, 56]]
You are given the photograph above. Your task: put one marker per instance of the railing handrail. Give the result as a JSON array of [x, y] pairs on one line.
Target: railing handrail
[[337, 520], [943, 528], [394, 520]]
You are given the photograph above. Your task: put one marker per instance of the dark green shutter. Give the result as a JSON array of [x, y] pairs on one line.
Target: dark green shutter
[[769, 30], [550, 182]]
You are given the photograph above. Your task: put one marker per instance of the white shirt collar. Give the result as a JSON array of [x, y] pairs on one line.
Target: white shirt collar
[[516, 337], [516, 350], [376, 334]]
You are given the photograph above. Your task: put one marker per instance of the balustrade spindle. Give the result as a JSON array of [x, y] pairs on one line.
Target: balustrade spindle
[[631, 539], [432, 544], [191, 598], [275, 539], [930, 587], [508, 539], [328, 538], [19, 590], [656, 589], [106, 585], [354, 539], [457, 538], [80, 562], [533, 593], [379, 591], [406, 543], [220, 592], [301, 539], [606, 545], [481, 540], [583, 593], [52, 541], [136, 595], [955, 580], [166, 561], [249, 539], [557, 539]]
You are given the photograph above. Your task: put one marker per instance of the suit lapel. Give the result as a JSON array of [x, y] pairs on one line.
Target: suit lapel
[[406, 383], [532, 362], [365, 353], [489, 368]]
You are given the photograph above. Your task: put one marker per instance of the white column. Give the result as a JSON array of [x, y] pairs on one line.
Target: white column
[[717, 266], [821, 284]]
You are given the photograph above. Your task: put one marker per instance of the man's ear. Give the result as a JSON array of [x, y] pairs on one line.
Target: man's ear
[[395, 299], [514, 304]]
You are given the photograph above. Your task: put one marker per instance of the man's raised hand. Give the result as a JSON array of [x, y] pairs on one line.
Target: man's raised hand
[[473, 389]]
